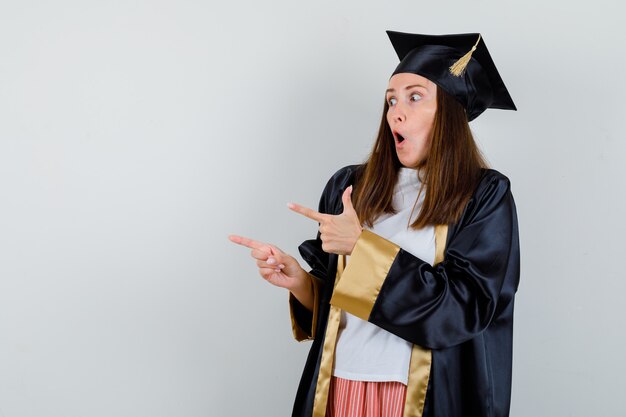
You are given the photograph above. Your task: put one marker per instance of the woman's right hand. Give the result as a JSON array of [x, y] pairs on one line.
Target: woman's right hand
[[277, 267]]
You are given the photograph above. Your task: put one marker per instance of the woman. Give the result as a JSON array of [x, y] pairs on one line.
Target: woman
[[409, 301]]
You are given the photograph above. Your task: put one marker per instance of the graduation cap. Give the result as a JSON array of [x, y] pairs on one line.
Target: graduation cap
[[460, 64]]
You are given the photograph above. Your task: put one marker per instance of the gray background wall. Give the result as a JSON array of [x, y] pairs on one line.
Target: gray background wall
[[135, 136]]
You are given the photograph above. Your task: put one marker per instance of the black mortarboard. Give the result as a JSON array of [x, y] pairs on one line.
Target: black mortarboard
[[460, 64]]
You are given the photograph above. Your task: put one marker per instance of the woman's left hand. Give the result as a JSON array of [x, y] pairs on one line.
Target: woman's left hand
[[338, 233]]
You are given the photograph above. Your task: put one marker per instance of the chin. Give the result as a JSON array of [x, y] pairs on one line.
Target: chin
[[409, 164], [414, 164]]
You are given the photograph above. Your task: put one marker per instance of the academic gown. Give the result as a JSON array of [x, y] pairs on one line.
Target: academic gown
[[458, 313]]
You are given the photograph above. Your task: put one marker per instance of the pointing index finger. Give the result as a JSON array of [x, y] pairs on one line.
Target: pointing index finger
[[307, 212], [245, 241]]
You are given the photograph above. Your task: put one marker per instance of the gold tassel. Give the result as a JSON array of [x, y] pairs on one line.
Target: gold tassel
[[459, 66]]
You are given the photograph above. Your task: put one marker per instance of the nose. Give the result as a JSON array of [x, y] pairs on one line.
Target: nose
[[397, 113], [398, 118]]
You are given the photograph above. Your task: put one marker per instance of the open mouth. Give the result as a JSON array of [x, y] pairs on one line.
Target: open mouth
[[399, 137]]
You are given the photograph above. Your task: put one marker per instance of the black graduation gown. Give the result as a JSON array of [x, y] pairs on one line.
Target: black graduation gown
[[460, 309]]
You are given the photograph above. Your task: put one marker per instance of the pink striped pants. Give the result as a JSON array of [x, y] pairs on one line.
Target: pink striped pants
[[348, 398]]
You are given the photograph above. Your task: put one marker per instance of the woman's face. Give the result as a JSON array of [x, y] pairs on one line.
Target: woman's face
[[412, 103]]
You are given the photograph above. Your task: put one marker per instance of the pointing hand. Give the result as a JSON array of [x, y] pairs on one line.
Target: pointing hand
[[338, 233], [276, 266]]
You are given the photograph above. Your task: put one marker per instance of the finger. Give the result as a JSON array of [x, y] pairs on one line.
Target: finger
[[270, 255], [266, 272], [307, 212], [244, 241], [261, 253], [269, 273], [346, 198], [265, 264]]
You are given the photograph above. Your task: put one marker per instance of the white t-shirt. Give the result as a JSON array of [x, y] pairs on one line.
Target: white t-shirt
[[364, 351]]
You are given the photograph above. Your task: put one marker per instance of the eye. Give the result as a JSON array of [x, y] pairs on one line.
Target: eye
[[392, 101], [416, 95]]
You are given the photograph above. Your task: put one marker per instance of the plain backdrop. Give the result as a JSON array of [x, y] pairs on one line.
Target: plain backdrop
[[136, 135]]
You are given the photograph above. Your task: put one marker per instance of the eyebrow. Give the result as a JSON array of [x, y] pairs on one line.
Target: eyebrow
[[391, 90]]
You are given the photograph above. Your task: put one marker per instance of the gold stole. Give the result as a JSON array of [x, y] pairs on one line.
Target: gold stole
[[421, 358]]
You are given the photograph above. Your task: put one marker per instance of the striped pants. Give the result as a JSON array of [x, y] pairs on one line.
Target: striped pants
[[348, 398]]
